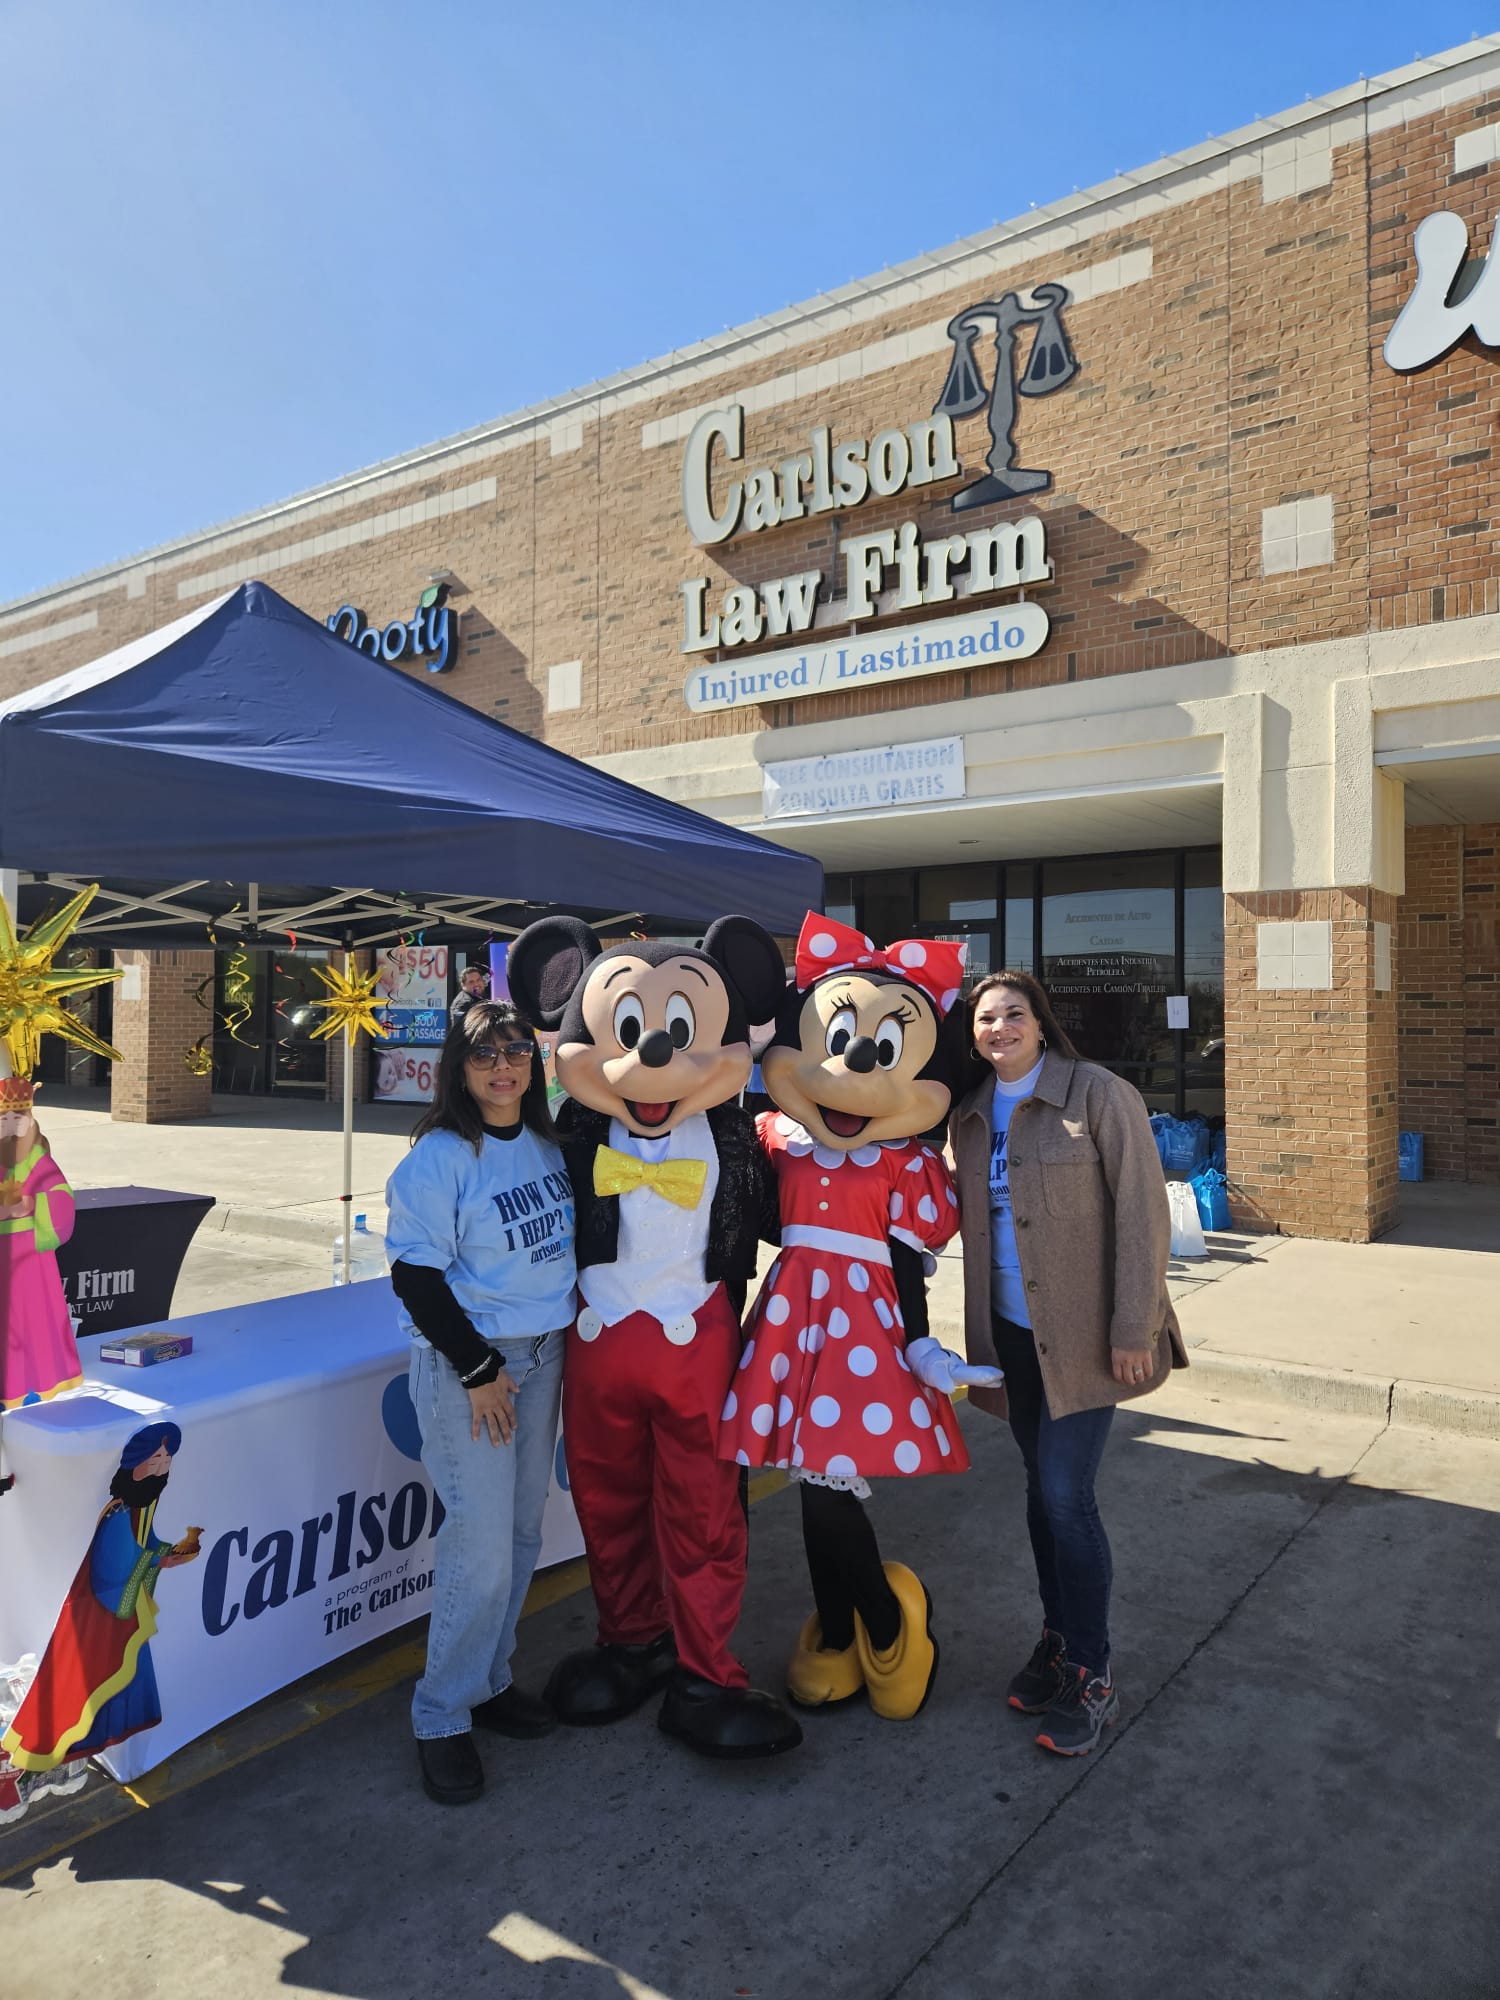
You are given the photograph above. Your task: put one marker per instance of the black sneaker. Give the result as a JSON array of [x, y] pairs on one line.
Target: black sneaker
[[514, 1712], [1079, 1715], [1040, 1681], [452, 1774]]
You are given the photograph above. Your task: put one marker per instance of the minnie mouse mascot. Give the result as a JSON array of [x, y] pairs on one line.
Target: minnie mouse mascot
[[671, 1195], [839, 1379]]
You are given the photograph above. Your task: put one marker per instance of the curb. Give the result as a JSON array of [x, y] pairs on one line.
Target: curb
[[1428, 1406], [281, 1224]]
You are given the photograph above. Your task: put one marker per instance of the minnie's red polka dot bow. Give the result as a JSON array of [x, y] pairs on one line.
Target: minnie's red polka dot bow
[[828, 946]]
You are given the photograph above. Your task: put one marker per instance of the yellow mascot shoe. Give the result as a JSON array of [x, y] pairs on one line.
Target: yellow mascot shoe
[[901, 1679], [816, 1678]]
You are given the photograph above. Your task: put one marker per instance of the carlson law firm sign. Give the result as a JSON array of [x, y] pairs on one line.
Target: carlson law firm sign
[[888, 571]]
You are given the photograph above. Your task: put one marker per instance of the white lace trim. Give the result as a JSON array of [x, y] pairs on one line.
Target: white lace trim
[[836, 1482]]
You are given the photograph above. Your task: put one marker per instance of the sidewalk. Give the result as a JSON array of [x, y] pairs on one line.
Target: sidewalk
[[1405, 1330]]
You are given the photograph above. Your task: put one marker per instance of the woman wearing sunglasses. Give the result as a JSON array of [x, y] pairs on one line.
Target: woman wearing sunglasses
[[480, 1237]]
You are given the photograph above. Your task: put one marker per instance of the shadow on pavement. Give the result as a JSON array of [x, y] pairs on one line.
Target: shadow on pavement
[[1297, 1802]]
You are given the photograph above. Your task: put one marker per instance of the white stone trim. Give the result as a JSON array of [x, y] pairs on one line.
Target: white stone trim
[[1298, 535], [564, 686], [373, 529], [1294, 957], [47, 635], [1289, 167], [1477, 148]]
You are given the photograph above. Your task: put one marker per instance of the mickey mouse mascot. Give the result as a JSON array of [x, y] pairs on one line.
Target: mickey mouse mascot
[[839, 1378], [671, 1193]]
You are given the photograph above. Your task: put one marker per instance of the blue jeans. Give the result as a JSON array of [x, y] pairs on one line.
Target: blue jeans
[[491, 1536], [1074, 1570]]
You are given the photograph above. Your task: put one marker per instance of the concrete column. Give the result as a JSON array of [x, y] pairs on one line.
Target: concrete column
[[1311, 1091], [158, 1017]]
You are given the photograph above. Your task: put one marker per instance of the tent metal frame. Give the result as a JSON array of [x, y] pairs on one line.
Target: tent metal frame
[[116, 913]]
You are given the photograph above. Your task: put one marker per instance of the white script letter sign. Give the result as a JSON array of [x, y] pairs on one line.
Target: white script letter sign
[[1430, 323]]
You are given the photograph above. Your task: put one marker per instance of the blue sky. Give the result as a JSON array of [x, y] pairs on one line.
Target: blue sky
[[251, 248]]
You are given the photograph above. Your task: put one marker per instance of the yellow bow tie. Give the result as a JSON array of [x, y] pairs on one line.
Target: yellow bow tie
[[678, 1181]]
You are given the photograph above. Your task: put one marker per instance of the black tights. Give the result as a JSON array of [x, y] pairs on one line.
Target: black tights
[[843, 1560]]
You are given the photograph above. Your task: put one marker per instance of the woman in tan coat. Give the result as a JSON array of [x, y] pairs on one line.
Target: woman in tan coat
[[1065, 1238]]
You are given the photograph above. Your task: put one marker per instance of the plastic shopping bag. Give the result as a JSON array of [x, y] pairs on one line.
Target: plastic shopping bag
[[1187, 1230], [1183, 1145], [1213, 1202]]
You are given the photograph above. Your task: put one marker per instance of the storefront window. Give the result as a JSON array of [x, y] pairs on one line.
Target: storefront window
[[1020, 918], [838, 898], [1119, 935], [957, 895], [1109, 954], [889, 907]]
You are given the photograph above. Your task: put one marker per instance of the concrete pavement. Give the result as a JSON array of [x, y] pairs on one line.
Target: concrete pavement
[[1299, 1800]]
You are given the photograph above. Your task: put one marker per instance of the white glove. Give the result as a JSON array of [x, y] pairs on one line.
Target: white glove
[[936, 1368]]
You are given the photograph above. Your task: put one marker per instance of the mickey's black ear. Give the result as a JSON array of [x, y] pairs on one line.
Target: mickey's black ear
[[545, 964], [752, 965]]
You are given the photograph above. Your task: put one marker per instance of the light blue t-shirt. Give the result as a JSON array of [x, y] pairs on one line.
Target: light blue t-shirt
[[498, 1225], [1007, 1286]]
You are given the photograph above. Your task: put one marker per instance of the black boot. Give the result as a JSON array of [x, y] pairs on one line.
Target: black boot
[[452, 1774], [608, 1682], [726, 1722]]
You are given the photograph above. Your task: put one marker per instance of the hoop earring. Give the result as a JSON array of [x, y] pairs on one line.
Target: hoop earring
[[1042, 1040]]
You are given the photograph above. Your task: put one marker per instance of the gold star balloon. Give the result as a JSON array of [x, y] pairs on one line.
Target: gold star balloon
[[32, 991], [352, 1005]]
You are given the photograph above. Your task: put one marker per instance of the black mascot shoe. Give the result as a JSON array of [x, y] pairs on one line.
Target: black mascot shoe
[[452, 1774], [514, 1712], [608, 1682], [727, 1722]]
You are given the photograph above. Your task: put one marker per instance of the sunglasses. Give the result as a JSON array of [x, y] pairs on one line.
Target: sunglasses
[[495, 1053]]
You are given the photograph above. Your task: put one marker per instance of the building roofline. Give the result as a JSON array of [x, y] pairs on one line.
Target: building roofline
[[579, 402]]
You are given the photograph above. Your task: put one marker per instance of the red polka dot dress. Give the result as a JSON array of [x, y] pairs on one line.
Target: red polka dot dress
[[823, 1385]]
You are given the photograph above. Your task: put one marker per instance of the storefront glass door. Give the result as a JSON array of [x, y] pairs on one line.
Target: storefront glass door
[[1109, 960], [265, 1013]]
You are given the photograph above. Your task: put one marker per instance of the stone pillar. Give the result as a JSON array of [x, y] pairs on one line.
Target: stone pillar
[[157, 1019], [1311, 1093]]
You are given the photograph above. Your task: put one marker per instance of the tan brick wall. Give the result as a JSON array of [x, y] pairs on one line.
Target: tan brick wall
[[151, 1084], [1448, 986], [1430, 997], [1310, 1090]]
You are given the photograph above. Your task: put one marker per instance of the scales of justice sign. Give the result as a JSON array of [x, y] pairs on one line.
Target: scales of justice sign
[[1050, 365]]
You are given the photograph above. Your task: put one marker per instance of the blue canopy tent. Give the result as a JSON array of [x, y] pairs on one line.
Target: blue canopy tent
[[246, 746], [214, 773]]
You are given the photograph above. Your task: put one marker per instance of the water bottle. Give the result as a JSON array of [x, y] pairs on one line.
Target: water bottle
[[366, 1254]]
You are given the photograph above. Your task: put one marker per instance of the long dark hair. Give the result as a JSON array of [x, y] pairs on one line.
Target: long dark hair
[[452, 1109], [1035, 995]]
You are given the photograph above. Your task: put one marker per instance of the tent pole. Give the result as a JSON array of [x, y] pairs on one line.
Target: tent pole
[[351, 1043]]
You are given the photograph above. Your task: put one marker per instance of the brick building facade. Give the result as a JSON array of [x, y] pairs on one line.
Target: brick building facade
[[1243, 673]]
